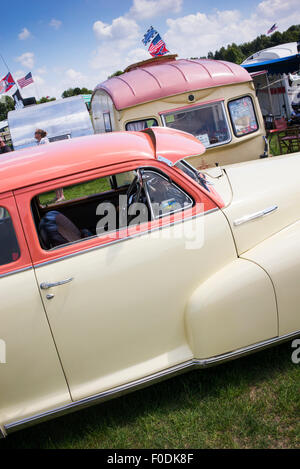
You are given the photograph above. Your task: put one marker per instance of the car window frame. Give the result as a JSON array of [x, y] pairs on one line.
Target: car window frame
[[24, 262], [41, 256]]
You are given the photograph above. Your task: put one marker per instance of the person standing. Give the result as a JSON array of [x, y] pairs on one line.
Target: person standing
[[41, 139], [3, 147]]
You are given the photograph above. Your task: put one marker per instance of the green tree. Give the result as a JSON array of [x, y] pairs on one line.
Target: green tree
[[234, 54], [45, 99], [238, 53], [116, 74], [75, 92], [6, 104]]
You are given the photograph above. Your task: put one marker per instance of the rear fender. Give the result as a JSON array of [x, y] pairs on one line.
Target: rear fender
[[234, 308]]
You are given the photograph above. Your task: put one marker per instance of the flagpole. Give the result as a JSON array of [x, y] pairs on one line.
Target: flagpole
[[36, 90]]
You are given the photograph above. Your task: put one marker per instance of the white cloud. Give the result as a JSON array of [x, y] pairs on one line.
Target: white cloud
[[75, 77], [56, 24], [197, 34], [24, 34], [19, 74], [38, 80], [27, 59], [106, 64], [41, 70], [124, 31], [145, 9], [120, 40], [269, 7]]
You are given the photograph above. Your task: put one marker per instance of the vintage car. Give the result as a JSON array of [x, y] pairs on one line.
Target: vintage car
[[147, 269]]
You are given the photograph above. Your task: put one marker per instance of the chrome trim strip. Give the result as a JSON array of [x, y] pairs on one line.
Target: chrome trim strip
[[165, 160], [16, 271], [146, 381], [94, 248], [253, 216]]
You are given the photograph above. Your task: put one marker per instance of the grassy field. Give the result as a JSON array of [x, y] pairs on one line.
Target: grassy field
[[78, 190], [252, 402], [274, 145]]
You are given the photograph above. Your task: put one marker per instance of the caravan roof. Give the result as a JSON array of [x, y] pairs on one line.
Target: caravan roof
[[152, 80]]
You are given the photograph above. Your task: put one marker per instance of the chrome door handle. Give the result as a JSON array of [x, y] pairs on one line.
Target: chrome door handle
[[46, 286], [253, 216]]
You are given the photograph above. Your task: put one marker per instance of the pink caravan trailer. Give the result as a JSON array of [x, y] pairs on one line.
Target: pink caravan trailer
[[213, 100]]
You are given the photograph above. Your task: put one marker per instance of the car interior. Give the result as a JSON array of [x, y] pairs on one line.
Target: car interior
[[75, 219]]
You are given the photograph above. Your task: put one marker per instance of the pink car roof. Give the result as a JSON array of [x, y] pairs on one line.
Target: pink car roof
[[43, 163], [152, 81]]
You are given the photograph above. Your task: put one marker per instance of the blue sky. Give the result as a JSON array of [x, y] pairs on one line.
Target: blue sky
[[80, 42]]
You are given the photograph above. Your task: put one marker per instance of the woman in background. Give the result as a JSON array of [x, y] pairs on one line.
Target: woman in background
[[41, 137]]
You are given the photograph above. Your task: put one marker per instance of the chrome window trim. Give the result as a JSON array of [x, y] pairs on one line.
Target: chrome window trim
[[188, 109], [146, 381], [83, 251]]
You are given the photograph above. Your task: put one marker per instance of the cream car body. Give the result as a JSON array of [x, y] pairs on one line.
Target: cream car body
[[92, 319]]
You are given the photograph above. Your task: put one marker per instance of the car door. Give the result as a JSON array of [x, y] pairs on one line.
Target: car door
[[31, 377], [264, 217], [116, 305]]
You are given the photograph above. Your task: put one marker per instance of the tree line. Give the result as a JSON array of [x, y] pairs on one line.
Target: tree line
[[238, 53]]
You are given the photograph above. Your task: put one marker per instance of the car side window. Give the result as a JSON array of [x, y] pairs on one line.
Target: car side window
[[164, 196], [105, 205], [9, 247], [76, 216]]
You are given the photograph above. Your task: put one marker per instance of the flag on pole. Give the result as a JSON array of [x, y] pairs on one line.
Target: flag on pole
[[157, 46], [25, 81], [18, 100], [6, 83], [273, 28], [149, 35]]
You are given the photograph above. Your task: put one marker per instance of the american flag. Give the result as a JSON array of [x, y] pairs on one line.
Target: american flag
[[25, 81], [273, 28], [157, 46]]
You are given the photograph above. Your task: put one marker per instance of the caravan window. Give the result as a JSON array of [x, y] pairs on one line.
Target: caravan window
[[242, 116], [208, 123], [141, 125]]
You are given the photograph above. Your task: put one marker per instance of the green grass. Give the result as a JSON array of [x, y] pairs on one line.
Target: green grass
[[78, 190], [248, 403], [274, 145]]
